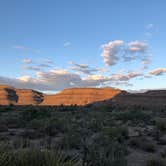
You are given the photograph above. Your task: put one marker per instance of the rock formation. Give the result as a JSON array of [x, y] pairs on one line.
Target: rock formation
[[7, 95], [10, 95], [80, 96], [28, 97]]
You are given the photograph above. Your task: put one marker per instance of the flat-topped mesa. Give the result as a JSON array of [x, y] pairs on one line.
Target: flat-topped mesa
[[80, 96], [29, 97], [7, 95]]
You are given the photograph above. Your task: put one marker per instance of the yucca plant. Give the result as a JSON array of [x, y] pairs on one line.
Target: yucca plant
[[5, 157], [43, 158]]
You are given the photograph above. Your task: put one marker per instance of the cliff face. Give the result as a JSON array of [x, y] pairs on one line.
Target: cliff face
[[80, 96], [29, 97], [7, 95], [10, 95]]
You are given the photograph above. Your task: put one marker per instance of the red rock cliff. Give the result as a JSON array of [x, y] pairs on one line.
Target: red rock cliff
[[80, 96], [7, 95]]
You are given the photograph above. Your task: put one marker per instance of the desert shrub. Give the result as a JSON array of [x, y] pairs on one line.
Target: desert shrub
[[95, 125], [37, 124], [33, 157], [156, 162], [9, 121], [28, 115], [142, 143], [163, 153], [161, 124], [38, 158], [42, 127], [61, 124], [134, 116], [104, 153], [5, 156], [118, 133], [19, 142], [70, 140]]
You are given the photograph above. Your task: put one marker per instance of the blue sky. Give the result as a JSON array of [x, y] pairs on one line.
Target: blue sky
[[56, 44]]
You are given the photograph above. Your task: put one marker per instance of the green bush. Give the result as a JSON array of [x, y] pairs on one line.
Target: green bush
[[104, 154], [116, 132], [144, 144], [134, 116], [161, 124], [28, 115], [32, 157], [156, 162]]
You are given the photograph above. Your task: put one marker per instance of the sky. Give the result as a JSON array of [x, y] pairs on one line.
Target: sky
[[56, 44]]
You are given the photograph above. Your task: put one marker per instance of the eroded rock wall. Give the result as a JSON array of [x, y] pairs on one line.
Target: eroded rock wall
[[7, 95], [80, 96]]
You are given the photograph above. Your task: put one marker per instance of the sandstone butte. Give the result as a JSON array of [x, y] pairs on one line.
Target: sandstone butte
[[80, 96]]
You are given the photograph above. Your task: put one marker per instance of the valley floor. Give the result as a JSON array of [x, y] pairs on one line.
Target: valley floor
[[82, 136]]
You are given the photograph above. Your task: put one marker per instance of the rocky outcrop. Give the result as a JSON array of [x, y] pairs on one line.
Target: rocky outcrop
[[29, 97], [7, 95], [10, 95], [80, 96]]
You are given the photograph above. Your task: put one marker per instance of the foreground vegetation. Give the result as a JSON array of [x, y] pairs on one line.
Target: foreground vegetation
[[76, 136]]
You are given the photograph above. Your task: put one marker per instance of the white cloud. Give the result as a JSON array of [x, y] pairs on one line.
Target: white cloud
[[158, 71], [24, 78], [117, 50], [59, 79], [137, 47], [27, 61], [125, 77], [83, 69], [33, 68], [146, 61], [110, 52]]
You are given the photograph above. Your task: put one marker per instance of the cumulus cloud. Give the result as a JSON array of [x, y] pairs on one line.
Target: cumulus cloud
[[158, 71], [125, 77], [83, 75], [110, 52], [137, 47], [59, 79], [83, 69], [119, 50]]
